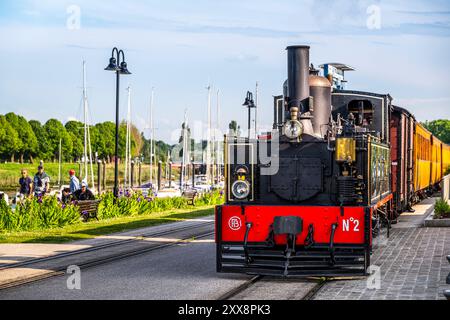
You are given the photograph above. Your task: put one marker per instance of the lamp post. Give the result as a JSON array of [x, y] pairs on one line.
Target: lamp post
[[119, 67]]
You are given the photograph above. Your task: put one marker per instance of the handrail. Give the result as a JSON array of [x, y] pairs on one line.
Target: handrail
[[445, 187]]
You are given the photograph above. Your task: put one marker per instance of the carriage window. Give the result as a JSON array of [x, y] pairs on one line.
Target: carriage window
[[363, 111]]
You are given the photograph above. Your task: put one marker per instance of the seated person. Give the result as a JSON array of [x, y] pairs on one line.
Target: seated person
[[66, 196], [84, 193]]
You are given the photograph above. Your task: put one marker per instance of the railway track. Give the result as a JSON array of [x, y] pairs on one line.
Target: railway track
[[185, 232], [104, 246], [310, 294], [60, 265], [235, 291]]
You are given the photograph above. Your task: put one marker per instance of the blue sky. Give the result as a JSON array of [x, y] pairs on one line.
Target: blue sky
[[179, 46]]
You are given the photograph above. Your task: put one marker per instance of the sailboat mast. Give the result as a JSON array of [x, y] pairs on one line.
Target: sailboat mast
[[154, 142], [87, 150], [187, 154], [90, 155], [59, 166], [208, 139], [85, 158], [151, 136], [168, 177], [130, 183], [183, 159], [128, 144], [218, 139], [256, 110]]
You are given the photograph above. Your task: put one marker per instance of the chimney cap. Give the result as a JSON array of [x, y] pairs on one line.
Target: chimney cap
[[298, 47]]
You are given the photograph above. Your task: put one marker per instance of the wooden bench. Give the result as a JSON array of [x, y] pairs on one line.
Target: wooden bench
[[88, 209], [190, 196]]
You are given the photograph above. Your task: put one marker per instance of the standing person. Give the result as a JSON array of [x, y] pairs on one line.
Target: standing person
[[26, 184], [74, 182], [41, 183]]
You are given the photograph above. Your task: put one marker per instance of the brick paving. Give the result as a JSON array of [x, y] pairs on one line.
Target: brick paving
[[412, 263]]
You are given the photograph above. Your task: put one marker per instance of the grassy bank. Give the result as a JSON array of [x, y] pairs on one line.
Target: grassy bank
[[10, 172], [48, 220], [41, 214], [93, 229]]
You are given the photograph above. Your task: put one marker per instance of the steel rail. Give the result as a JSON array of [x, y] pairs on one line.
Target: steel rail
[[103, 246], [251, 282], [239, 289], [60, 271], [312, 293]]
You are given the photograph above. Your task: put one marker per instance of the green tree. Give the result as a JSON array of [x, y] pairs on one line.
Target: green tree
[[29, 138], [123, 140], [28, 142], [95, 137], [55, 132], [76, 131], [440, 128], [9, 139], [161, 150], [105, 141], [13, 120], [136, 141], [43, 149]]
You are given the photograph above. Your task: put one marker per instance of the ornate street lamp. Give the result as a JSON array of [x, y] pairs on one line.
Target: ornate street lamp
[[119, 66]]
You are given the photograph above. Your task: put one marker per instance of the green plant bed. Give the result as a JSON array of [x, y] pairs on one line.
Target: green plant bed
[[93, 229], [47, 218], [37, 214], [441, 209], [136, 204]]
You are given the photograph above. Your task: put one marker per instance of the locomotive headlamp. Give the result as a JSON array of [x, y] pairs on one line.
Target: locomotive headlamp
[[240, 189], [345, 150], [241, 171], [293, 129]]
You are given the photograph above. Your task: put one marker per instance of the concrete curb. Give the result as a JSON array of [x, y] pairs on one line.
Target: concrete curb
[[436, 223]]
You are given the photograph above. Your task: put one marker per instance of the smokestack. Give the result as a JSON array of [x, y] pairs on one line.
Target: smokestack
[[298, 79]]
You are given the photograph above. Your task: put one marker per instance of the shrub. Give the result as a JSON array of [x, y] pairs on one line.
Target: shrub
[[441, 209], [48, 212], [447, 171], [133, 204], [5, 215], [36, 214], [209, 199]]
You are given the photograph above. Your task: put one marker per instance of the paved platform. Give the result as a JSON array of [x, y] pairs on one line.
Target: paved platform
[[412, 264]]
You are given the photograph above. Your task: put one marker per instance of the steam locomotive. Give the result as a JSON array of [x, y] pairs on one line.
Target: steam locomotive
[[310, 197]]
